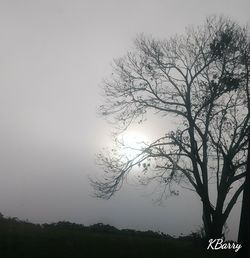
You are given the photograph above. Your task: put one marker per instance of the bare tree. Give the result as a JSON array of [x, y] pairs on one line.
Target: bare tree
[[199, 79]]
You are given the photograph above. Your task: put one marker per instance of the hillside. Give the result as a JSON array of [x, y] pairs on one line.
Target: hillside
[[21, 239]]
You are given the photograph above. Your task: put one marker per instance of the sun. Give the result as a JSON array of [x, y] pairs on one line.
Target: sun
[[132, 142]]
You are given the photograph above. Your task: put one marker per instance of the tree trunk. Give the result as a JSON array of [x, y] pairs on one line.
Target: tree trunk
[[213, 224], [244, 229], [206, 222], [217, 226]]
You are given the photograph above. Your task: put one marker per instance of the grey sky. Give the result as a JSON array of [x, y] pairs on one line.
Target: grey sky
[[53, 57]]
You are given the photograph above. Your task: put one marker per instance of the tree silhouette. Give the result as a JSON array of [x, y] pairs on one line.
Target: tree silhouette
[[199, 79]]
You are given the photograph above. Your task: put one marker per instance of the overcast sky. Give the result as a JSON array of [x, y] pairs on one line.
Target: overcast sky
[[53, 57]]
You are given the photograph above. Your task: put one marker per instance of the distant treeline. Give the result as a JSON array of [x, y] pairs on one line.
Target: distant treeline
[[95, 228], [66, 225], [23, 239]]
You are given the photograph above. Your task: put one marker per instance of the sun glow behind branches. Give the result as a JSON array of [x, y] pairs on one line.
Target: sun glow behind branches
[[132, 143]]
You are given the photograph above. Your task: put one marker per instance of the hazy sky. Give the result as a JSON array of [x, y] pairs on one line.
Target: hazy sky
[[53, 57]]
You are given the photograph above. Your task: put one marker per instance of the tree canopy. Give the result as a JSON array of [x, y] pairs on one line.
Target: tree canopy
[[201, 79]]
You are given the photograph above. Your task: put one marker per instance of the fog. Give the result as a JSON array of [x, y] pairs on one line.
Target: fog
[[54, 56]]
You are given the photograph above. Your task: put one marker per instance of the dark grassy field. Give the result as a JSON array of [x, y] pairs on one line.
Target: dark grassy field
[[20, 239]]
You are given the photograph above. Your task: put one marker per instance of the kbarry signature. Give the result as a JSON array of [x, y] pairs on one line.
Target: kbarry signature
[[216, 244]]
